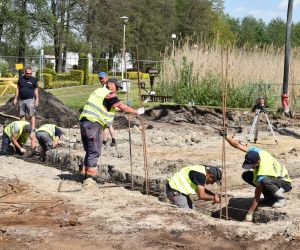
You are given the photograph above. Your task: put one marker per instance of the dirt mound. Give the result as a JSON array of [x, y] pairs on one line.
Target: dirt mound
[[50, 110]]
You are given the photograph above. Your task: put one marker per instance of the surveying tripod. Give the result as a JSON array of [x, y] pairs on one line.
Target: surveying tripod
[[255, 124]]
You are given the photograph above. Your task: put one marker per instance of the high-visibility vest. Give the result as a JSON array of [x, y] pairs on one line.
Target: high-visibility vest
[[49, 128], [181, 181], [94, 109], [269, 166], [8, 130]]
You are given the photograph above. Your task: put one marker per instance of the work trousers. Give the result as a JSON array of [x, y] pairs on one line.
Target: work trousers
[[270, 184], [6, 148], [179, 199], [90, 135]]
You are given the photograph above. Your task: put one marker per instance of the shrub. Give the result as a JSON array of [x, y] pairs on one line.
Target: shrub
[[47, 80], [93, 79], [46, 71], [77, 75], [10, 90], [4, 70], [83, 65], [49, 66], [145, 76], [63, 77], [60, 84]]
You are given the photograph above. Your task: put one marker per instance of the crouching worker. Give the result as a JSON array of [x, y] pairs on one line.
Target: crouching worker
[[192, 180], [48, 136], [266, 174], [17, 133]]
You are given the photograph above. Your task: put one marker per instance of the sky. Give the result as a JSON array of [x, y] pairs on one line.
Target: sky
[[264, 9]]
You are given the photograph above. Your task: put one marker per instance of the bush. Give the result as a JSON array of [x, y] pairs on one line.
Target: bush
[[93, 79], [145, 76], [47, 80], [63, 77], [46, 71], [60, 84], [49, 66], [83, 64], [77, 75], [10, 90], [4, 70]]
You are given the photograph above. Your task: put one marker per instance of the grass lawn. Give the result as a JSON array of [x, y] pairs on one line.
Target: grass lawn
[[76, 96]]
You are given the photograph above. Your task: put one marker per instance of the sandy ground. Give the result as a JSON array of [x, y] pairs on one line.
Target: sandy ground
[[34, 215]]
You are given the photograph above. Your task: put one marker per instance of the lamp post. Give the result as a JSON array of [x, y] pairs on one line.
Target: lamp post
[[173, 38], [123, 65]]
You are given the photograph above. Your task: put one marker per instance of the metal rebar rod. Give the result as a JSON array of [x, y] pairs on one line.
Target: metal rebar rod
[[147, 184], [222, 167]]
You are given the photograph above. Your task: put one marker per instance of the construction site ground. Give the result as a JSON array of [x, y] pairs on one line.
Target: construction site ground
[[34, 215]]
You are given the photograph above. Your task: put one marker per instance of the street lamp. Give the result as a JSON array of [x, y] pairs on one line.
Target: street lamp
[[173, 38], [123, 65]]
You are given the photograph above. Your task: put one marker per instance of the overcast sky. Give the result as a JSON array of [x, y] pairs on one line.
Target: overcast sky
[[264, 9]]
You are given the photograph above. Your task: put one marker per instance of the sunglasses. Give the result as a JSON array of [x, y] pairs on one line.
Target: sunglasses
[[27, 73]]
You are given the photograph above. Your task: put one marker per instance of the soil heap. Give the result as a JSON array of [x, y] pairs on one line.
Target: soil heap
[[50, 110]]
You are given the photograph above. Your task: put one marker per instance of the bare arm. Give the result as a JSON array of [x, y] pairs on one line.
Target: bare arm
[[234, 143], [207, 196], [15, 142], [16, 96], [255, 201], [127, 109], [32, 138], [36, 96]]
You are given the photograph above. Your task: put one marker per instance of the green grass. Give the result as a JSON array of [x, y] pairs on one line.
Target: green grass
[[76, 96]]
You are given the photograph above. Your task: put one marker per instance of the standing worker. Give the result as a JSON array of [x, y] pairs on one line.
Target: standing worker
[[99, 112], [17, 133], [48, 137], [191, 180], [267, 175], [28, 96], [103, 78]]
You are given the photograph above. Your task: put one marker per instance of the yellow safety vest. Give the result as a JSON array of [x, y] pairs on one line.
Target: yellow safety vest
[[8, 130], [49, 128], [94, 109], [181, 181], [269, 166]]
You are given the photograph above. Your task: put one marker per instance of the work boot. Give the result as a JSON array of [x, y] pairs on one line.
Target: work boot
[[113, 143], [267, 201], [280, 203], [90, 172]]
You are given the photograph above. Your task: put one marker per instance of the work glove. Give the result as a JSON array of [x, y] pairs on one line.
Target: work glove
[[249, 217], [223, 132], [23, 150], [141, 111]]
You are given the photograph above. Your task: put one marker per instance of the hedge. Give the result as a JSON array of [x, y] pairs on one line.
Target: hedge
[[63, 77], [46, 71], [47, 80], [93, 79], [61, 84], [134, 75], [77, 75], [83, 64]]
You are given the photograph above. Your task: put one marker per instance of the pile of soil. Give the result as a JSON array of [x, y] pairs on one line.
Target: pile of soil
[[50, 110]]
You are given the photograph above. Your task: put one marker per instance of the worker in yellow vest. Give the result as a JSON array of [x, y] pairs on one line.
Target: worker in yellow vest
[[99, 112], [266, 174], [48, 136], [192, 180], [17, 133]]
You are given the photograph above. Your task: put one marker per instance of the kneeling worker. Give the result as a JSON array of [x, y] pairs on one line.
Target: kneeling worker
[[48, 136], [266, 174], [192, 180], [17, 133]]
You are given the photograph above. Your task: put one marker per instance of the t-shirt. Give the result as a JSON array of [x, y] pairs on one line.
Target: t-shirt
[[111, 100], [26, 87], [58, 132], [259, 178], [197, 178]]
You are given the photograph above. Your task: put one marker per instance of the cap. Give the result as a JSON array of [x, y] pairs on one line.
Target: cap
[[102, 74], [217, 173], [27, 128], [251, 158], [115, 81]]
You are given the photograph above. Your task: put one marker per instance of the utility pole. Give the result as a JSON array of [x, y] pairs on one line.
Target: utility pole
[[285, 96]]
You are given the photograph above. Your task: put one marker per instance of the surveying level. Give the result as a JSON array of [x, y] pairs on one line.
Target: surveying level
[[259, 108]]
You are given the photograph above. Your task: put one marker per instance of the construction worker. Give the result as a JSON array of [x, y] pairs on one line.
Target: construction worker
[[48, 136], [99, 112], [266, 174], [17, 133], [109, 130], [192, 180]]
